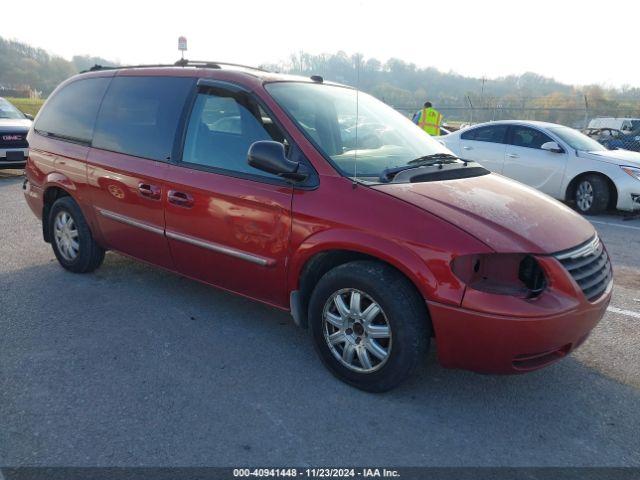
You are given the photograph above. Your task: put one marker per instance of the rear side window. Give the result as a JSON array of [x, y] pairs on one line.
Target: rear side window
[[71, 113], [528, 137], [139, 115], [492, 134]]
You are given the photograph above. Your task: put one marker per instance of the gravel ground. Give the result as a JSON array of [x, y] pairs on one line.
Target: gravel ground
[[135, 366]]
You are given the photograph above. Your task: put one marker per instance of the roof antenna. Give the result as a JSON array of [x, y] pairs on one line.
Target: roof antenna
[[355, 152]]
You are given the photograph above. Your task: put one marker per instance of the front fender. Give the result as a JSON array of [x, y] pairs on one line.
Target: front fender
[[420, 269]]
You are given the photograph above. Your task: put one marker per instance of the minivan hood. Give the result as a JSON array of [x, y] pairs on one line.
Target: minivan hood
[[618, 157], [506, 215]]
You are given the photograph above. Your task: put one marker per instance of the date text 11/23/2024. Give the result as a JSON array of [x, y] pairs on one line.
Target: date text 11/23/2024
[[315, 472]]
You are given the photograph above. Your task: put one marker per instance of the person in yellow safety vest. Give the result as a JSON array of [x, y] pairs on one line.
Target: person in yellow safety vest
[[430, 120]]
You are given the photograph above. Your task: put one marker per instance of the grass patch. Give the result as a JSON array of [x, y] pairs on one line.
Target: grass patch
[[27, 105]]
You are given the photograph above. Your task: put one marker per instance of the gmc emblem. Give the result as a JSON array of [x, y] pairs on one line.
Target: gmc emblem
[[10, 138]]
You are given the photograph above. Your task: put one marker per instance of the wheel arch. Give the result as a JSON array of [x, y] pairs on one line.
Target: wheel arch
[[572, 185], [52, 192], [309, 267]]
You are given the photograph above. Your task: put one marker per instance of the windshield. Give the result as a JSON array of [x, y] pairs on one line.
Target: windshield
[[9, 111], [577, 140], [329, 116]]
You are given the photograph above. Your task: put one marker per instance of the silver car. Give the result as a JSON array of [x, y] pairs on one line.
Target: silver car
[[557, 160]]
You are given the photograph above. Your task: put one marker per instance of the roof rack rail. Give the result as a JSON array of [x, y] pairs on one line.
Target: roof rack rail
[[180, 63], [183, 62]]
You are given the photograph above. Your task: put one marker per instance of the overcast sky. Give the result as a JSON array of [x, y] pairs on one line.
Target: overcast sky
[[573, 41]]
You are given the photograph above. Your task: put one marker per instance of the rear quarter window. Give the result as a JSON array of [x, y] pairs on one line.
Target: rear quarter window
[[139, 115], [71, 113]]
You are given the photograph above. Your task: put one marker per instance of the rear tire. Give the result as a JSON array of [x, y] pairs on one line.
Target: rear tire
[[592, 195], [375, 341], [71, 238]]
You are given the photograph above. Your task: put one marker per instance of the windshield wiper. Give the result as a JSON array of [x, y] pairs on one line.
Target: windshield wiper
[[434, 159]]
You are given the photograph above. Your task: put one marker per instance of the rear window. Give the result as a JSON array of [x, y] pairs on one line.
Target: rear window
[[492, 134], [71, 113], [139, 115]]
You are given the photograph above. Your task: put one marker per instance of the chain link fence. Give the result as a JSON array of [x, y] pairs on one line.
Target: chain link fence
[[612, 131]]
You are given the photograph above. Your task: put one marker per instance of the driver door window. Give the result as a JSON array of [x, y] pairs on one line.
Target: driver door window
[[222, 127], [528, 137]]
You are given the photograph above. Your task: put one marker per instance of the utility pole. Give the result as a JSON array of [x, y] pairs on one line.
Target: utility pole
[[586, 111]]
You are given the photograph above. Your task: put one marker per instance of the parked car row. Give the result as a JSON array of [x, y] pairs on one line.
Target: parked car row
[[14, 126], [615, 139], [557, 160], [376, 240]]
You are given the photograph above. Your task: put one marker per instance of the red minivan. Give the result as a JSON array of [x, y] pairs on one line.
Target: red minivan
[[320, 200]]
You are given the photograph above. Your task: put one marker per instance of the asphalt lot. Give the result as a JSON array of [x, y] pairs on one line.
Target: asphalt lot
[[132, 365]]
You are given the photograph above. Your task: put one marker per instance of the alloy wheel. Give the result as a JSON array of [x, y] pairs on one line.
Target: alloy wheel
[[584, 195], [356, 330], [65, 233]]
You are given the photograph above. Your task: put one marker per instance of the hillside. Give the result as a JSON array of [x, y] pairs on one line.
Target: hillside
[[406, 86], [400, 84], [22, 65]]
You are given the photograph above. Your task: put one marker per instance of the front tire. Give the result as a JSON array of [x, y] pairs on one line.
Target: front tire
[[71, 238], [370, 326], [592, 195]]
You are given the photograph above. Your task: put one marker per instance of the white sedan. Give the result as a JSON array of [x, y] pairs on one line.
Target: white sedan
[[557, 160]]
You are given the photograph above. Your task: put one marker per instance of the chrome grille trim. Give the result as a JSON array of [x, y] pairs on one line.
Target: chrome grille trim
[[581, 251], [590, 267]]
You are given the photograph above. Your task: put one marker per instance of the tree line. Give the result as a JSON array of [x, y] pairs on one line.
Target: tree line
[[406, 86], [22, 65], [398, 83]]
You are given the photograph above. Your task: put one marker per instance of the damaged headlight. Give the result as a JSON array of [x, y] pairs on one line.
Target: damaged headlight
[[501, 274]]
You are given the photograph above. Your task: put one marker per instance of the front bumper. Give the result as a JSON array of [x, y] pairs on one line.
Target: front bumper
[[628, 194], [10, 163], [515, 336]]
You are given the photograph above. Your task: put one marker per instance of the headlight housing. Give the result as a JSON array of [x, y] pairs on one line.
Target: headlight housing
[[518, 275], [633, 171]]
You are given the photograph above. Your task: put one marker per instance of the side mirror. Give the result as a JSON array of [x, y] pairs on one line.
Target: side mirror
[[552, 147], [270, 157], [29, 116]]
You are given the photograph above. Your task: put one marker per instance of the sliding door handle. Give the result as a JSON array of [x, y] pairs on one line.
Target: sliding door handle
[[181, 199], [149, 191]]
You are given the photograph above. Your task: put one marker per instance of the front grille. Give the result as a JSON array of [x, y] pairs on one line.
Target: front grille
[[590, 267], [13, 140]]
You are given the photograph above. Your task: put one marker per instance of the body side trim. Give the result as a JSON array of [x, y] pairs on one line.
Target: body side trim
[[215, 247], [130, 221]]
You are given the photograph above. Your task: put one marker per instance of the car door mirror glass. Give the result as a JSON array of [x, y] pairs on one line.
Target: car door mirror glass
[[552, 147], [270, 157]]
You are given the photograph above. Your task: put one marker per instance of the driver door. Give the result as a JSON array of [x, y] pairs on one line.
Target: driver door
[[526, 162], [227, 223]]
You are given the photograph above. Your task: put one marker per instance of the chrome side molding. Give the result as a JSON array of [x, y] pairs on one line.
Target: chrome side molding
[[214, 247], [130, 221]]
